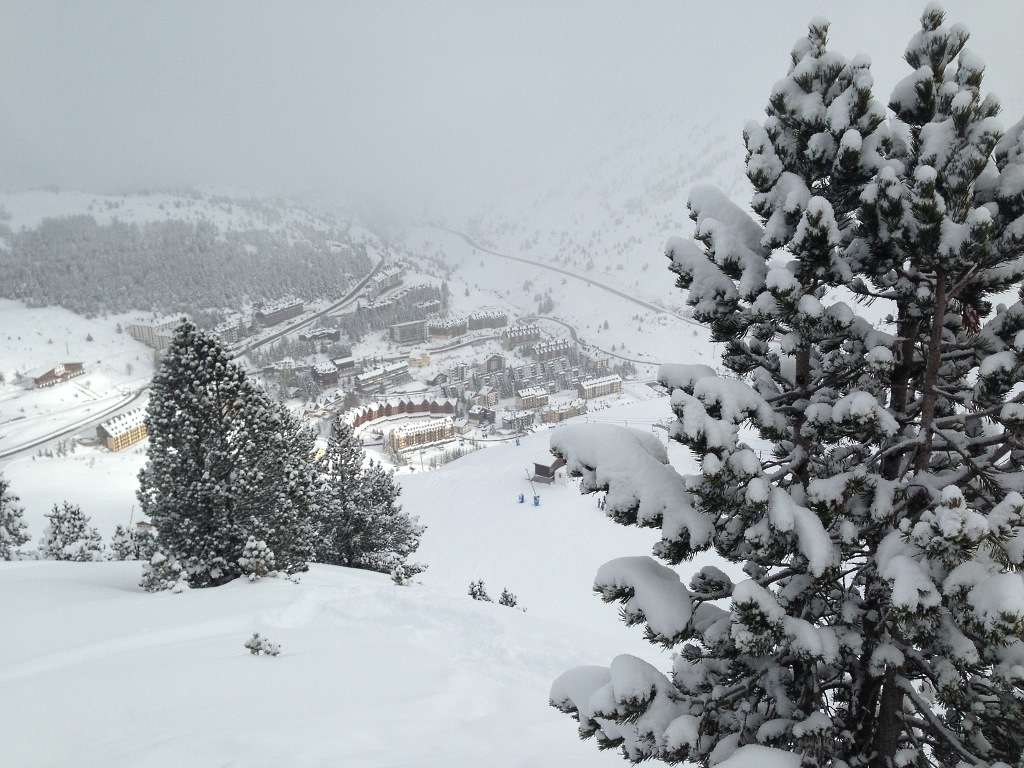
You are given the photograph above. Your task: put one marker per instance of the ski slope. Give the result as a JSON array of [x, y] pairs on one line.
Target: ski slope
[[96, 672]]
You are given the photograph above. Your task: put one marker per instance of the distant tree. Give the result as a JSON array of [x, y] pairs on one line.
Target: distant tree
[[68, 536], [121, 545], [478, 591], [358, 520], [13, 531], [133, 544], [225, 464], [508, 599]]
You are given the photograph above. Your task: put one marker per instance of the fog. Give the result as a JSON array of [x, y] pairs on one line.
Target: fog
[[443, 103]]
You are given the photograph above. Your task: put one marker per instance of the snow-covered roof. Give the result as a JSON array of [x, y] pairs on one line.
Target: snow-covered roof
[[602, 380], [532, 392], [124, 422]]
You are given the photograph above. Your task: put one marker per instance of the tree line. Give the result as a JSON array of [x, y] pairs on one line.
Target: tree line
[[172, 266]]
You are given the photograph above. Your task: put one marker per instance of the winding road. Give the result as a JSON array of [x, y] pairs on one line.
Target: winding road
[[645, 304], [96, 419]]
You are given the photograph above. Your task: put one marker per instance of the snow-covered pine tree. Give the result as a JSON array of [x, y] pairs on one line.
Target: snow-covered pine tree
[[225, 464], [132, 544], [359, 521], [339, 468], [478, 591], [392, 535], [122, 547], [13, 531], [68, 536], [874, 605]]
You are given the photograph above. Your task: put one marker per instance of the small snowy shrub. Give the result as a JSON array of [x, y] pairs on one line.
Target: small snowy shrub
[[260, 646], [478, 591], [121, 545], [257, 559], [12, 528], [399, 576], [164, 573], [508, 599], [68, 536], [132, 544]]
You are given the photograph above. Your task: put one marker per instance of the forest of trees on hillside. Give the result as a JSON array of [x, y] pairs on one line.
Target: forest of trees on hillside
[[172, 266]]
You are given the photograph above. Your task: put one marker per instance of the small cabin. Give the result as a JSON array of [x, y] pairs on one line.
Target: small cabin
[[549, 473]]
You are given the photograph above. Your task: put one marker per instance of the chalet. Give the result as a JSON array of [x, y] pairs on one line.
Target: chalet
[[58, 375], [439, 380], [606, 385], [123, 430], [462, 426], [548, 473]]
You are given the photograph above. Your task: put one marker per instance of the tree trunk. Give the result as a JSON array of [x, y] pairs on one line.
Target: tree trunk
[[887, 725], [899, 387], [931, 376]]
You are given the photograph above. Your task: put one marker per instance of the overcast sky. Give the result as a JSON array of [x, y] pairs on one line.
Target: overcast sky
[[444, 99]]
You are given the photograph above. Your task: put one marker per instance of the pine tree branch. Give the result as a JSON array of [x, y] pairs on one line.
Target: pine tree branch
[[937, 726]]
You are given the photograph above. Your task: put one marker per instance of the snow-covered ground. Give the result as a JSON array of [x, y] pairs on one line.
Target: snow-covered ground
[[32, 341], [228, 209], [96, 672]]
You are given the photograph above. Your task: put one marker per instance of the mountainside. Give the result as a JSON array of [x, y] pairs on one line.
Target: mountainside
[[369, 674], [168, 252]]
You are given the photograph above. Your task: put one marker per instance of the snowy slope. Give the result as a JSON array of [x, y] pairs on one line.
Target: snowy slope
[[370, 674], [228, 209]]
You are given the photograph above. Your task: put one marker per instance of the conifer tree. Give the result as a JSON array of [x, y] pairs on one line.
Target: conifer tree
[[339, 468], [68, 536], [13, 531], [873, 608], [225, 464], [359, 522]]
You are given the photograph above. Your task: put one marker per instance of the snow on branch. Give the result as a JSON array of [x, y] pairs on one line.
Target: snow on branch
[[711, 407], [650, 594], [632, 466]]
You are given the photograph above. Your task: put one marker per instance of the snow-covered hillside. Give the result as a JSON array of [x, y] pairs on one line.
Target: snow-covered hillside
[[228, 209], [96, 672]]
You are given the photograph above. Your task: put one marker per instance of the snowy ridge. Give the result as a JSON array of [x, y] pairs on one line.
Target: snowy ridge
[[226, 209]]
